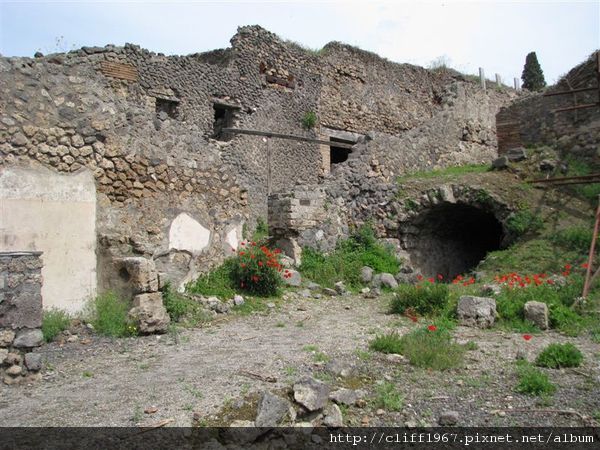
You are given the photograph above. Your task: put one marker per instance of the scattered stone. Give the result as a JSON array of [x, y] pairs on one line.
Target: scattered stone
[[150, 410], [270, 305], [272, 410], [547, 165], [448, 418], [340, 288], [339, 368], [500, 163], [516, 154], [376, 281], [305, 293], [149, 314], [29, 339], [345, 396], [11, 380], [330, 292], [238, 300], [292, 277], [388, 280], [395, 358], [313, 286], [6, 338], [33, 377], [242, 432], [491, 289], [14, 371], [477, 312], [311, 393], [3, 355], [366, 274], [73, 338], [365, 290], [537, 312], [33, 361], [13, 358], [333, 417], [380, 412]]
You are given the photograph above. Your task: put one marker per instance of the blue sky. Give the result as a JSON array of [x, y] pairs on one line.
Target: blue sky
[[495, 35]]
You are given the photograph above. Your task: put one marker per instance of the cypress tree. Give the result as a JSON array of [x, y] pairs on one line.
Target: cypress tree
[[533, 77]]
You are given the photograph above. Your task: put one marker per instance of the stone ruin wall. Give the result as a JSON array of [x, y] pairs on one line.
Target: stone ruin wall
[[531, 120], [94, 109]]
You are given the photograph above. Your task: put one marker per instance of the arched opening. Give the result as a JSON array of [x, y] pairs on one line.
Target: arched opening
[[451, 238]]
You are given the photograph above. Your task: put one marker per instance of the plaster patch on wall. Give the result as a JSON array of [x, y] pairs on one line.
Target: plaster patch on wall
[[232, 238], [187, 234]]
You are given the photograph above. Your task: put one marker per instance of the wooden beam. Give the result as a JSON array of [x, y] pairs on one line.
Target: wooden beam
[[559, 179], [572, 91], [288, 137], [571, 108]]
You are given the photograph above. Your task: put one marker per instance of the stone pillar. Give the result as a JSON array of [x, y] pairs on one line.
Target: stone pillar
[[20, 315]]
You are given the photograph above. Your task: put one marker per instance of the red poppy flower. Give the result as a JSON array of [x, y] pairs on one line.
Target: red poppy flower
[[243, 265], [431, 280], [550, 281], [413, 318], [527, 337], [440, 276], [242, 253], [260, 263], [585, 265], [254, 244], [419, 277], [432, 328]]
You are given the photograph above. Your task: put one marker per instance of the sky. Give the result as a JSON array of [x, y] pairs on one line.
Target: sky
[[495, 35]]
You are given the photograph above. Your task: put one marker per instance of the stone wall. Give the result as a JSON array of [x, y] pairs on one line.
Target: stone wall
[[531, 120], [147, 127], [20, 316]]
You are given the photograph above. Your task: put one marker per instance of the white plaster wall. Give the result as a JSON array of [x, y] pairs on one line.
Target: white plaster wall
[[186, 233], [56, 214]]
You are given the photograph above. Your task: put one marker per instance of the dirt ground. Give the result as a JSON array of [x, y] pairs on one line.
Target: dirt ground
[[104, 382]]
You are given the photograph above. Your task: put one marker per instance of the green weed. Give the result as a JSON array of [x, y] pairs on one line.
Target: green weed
[[54, 321], [555, 356], [532, 381]]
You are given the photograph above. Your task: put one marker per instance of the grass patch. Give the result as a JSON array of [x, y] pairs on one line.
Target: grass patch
[[109, 314], [524, 221], [423, 348], [388, 397], [533, 381], [576, 238], [424, 299], [182, 309], [555, 356], [54, 321], [345, 262], [448, 172], [216, 283], [309, 120], [261, 232]]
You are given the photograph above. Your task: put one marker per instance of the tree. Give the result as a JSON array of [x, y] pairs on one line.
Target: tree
[[533, 77]]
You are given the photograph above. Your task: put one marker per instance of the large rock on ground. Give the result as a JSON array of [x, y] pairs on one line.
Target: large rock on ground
[[366, 274], [311, 393], [291, 277], [272, 410], [333, 417], [348, 397], [149, 314], [477, 312], [388, 280], [537, 312]]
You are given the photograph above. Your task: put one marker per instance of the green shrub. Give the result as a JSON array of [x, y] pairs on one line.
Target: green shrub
[[524, 221], [388, 397], [182, 309], [510, 305], [217, 283], [423, 348], [261, 231], [110, 316], [309, 120], [54, 321], [343, 264], [574, 238], [423, 299], [257, 269], [532, 381], [387, 343], [556, 356]]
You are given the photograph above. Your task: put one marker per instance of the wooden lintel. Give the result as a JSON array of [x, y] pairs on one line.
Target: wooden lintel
[[288, 137]]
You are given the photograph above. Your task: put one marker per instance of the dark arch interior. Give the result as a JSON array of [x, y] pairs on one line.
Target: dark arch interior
[[452, 238], [338, 155]]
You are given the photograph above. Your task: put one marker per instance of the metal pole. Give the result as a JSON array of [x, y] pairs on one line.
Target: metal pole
[[268, 166], [588, 272], [482, 77]]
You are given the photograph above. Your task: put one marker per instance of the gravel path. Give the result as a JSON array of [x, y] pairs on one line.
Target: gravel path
[[111, 382]]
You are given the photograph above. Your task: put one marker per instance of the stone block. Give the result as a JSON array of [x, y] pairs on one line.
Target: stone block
[[33, 361], [537, 312], [28, 338], [140, 273], [149, 314], [477, 312]]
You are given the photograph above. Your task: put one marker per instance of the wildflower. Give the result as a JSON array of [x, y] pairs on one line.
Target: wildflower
[[260, 263], [419, 277], [440, 276], [413, 318], [432, 328], [243, 266], [431, 280], [527, 337], [585, 265], [550, 281], [242, 253]]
